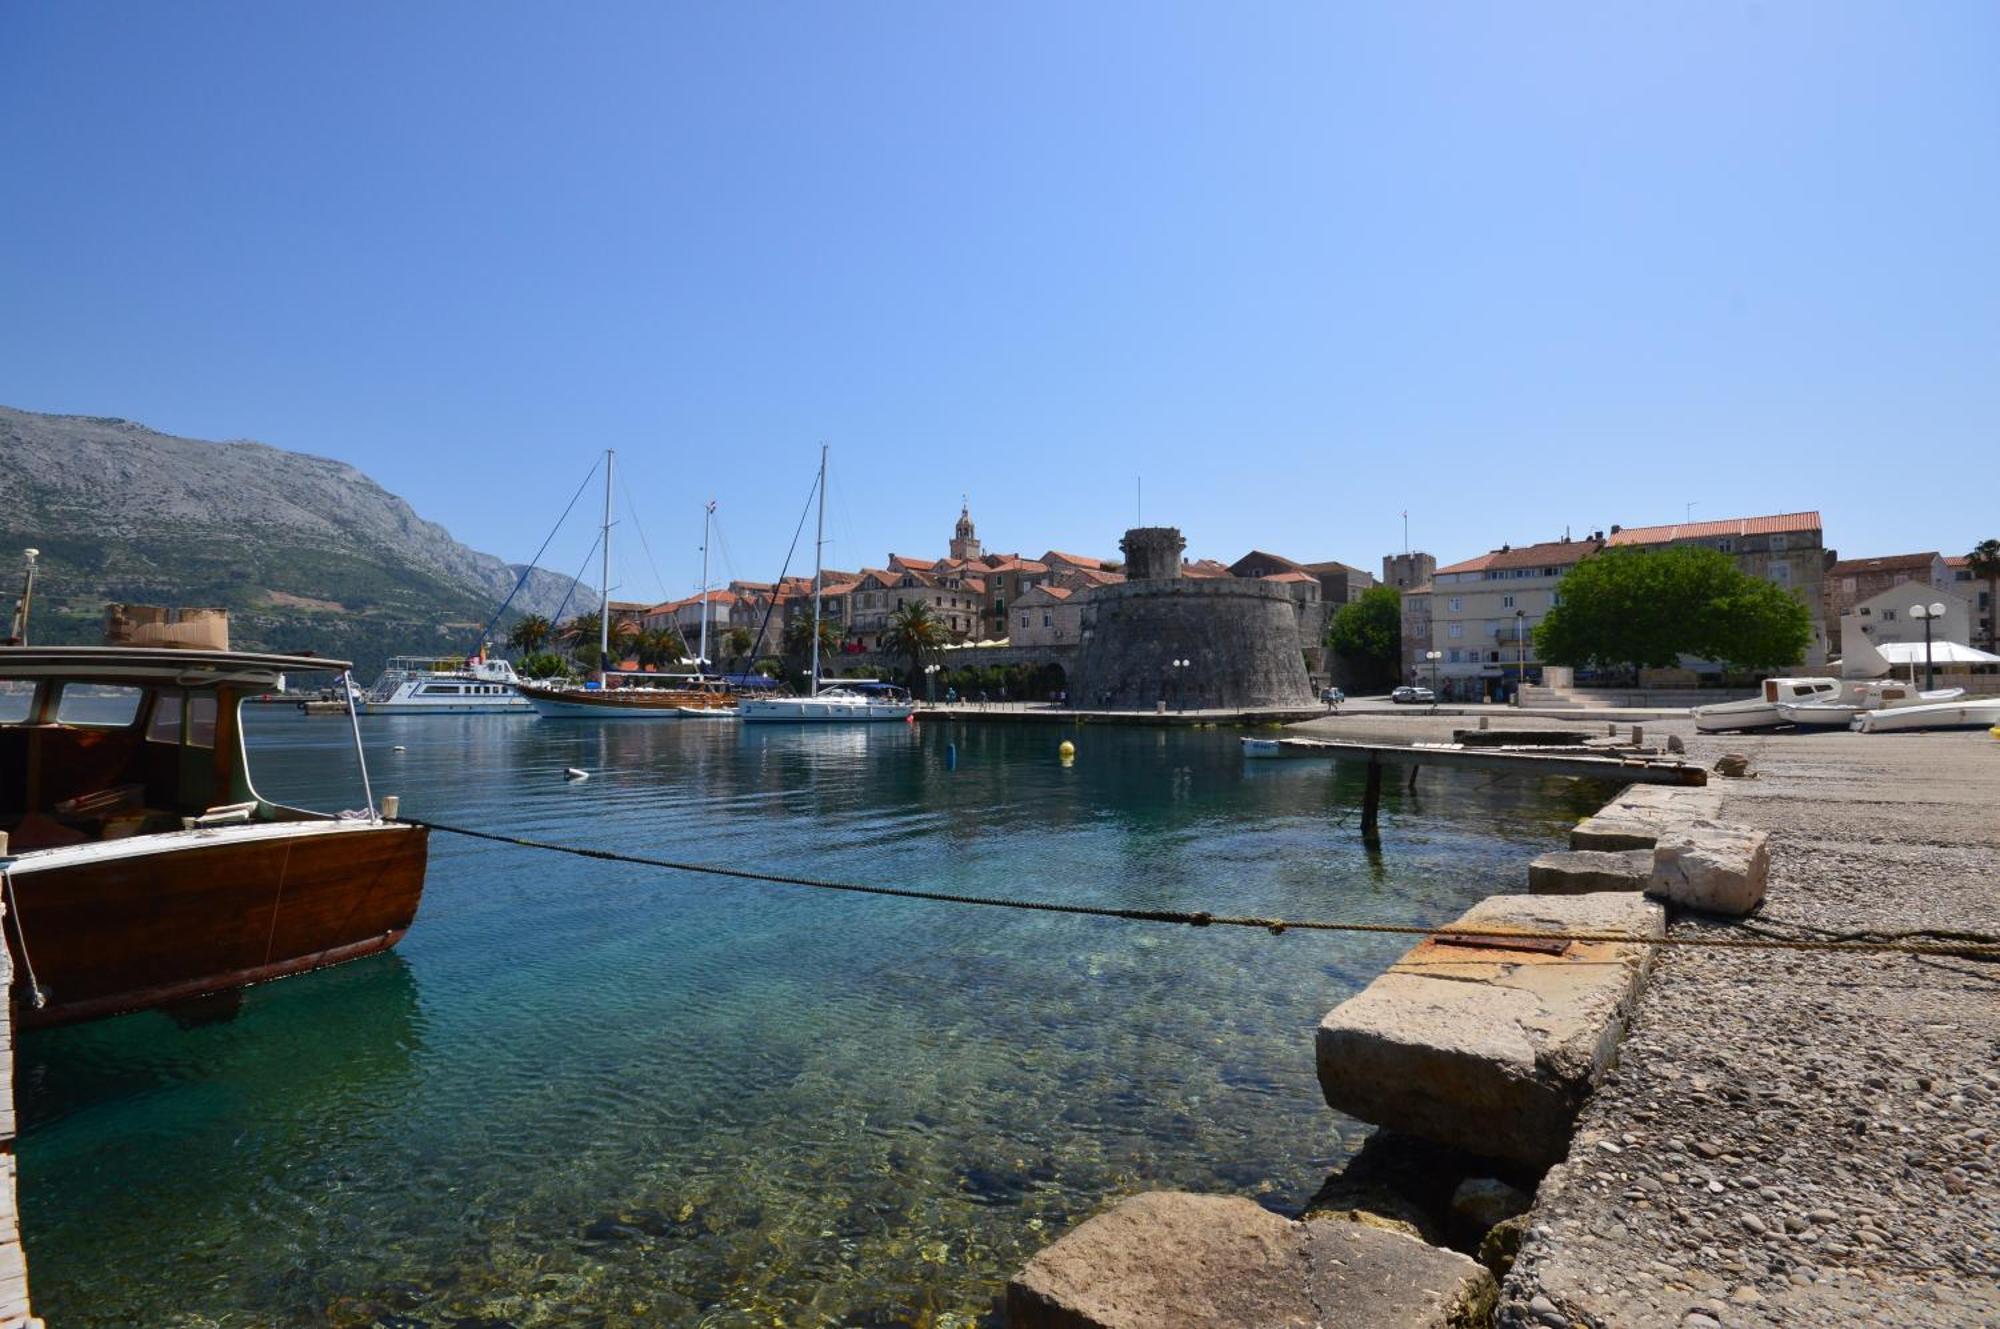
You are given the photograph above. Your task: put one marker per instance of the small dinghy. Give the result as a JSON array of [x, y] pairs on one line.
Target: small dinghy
[[573, 773]]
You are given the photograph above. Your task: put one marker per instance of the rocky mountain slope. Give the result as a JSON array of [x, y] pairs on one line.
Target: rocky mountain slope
[[305, 552]]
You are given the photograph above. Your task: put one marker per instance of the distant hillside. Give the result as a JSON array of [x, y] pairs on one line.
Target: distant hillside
[[304, 552]]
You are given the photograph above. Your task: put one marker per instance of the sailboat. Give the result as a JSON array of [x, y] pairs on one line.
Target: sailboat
[[840, 703], [636, 695]]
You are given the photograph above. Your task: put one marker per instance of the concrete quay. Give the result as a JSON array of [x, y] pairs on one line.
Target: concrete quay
[[1802, 1138], [1037, 712]]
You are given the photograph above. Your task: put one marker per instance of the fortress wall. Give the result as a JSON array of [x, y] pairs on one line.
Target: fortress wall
[[1241, 635]]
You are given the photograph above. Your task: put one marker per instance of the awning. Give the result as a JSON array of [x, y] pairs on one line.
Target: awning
[[1941, 652]]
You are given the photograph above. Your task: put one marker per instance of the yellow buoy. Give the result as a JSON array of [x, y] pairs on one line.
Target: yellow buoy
[[1067, 750]]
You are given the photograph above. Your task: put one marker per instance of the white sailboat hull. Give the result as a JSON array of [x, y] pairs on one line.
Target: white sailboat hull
[[823, 710]]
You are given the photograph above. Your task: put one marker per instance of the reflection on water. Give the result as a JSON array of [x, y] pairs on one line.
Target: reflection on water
[[589, 1093]]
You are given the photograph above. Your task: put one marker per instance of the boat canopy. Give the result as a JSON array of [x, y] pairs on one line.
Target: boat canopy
[[187, 669], [1941, 652]]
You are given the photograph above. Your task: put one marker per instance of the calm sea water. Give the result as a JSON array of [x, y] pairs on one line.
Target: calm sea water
[[585, 1094]]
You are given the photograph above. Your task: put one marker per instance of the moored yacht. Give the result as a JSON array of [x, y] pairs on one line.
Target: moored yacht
[[445, 685], [632, 695]]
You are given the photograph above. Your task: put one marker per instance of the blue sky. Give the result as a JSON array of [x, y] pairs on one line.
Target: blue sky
[[1301, 267]]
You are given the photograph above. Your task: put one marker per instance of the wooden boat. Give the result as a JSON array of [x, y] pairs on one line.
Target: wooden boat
[[141, 867], [625, 696], [1965, 713]]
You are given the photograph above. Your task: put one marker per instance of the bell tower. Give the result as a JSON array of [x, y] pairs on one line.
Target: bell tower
[[964, 543]]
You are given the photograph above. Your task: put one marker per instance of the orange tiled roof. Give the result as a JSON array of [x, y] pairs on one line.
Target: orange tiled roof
[[1848, 567], [1783, 523], [1549, 554], [1075, 560], [1290, 577], [1205, 567]]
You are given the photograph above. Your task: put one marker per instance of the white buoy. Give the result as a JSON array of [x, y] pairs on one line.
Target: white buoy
[[399, 748], [572, 773]]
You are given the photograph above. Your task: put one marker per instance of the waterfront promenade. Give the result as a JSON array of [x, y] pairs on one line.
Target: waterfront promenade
[[1796, 1137]]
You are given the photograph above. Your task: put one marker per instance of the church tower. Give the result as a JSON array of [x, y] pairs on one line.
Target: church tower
[[964, 544]]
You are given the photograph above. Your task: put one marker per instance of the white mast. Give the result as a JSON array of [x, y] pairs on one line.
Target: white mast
[[701, 656], [819, 544], [604, 608]]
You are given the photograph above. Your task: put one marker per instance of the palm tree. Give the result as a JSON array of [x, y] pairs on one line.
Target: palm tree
[[797, 643], [736, 644], [530, 634], [1984, 561], [916, 634], [659, 646]]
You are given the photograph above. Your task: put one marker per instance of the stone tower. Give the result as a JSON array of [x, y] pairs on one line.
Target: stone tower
[[1152, 553], [964, 544], [1408, 570]]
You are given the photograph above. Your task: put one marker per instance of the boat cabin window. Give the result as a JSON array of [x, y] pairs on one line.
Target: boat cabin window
[[168, 712], [109, 705], [17, 700]]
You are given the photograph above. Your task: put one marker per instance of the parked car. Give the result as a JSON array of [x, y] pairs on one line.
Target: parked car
[[1401, 695], [1332, 696]]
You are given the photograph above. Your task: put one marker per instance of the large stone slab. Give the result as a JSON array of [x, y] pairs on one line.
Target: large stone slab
[[1168, 1260], [1640, 812], [1587, 871], [1492, 1049], [1717, 869]]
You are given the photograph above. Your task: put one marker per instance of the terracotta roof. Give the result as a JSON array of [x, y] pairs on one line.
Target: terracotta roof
[[1013, 563], [1848, 567], [1265, 556], [1204, 567], [1335, 565], [904, 564], [1783, 523], [974, 584], [1046, 591], [1294, 576], [839, 588], [1962, 561], [1074, 560], [1550, 554]]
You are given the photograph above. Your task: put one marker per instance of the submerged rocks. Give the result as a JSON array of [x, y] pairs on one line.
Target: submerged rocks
[[1492, 1049], [1193, 1261]]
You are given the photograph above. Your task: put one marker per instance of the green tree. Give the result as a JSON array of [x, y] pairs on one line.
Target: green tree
[[530, 634], [1646, 608], [1367, 634], [1984, 561], [659, 646], [736, 644], [797, 643], [917, 635], [542, 664]]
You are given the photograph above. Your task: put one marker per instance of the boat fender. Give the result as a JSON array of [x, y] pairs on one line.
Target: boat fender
[[572, 773]]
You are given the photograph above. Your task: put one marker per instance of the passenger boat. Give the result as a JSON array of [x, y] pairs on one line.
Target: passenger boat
[[844, 703], [139, 866], [1883, 695], [445, 685], [1965, 713]]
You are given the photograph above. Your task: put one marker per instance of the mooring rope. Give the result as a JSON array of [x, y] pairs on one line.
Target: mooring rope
[[1986, 947]]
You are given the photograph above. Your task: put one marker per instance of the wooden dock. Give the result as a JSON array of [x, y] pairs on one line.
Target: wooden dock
[[1620, 768], [14, 1311]]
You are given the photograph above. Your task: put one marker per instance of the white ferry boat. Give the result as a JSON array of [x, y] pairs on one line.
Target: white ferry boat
[[446, 685], [838, 704]]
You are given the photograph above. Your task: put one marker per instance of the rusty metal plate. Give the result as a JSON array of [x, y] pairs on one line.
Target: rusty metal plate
[[1501, 942]]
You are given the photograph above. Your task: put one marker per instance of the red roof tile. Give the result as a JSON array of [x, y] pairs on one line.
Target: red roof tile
[[1848, 567], [1784, 523], [1549, 554]]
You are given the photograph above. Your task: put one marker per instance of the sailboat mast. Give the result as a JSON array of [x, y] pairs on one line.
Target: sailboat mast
[[701, 656], [604, 607], [819, 547]]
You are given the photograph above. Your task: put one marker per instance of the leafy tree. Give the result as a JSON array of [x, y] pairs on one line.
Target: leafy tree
[[1367, 633], [736, 644], [1646, 608], [659, 646], [797, 643], [542, 664], [530, 634], [1984, 561]]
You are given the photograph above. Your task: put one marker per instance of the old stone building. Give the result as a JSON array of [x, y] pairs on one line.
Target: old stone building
[[1483, 613], [1852, 581], [1239, 637]]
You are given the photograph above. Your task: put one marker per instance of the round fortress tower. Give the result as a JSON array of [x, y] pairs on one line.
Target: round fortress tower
[[1241, 637]]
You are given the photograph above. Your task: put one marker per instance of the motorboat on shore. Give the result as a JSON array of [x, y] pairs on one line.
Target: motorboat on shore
[[1965, 713], [1879, 695], [1763, 711], [445, 685], [139, 864]]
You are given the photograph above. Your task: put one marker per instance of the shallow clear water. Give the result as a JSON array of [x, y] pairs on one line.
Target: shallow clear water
[[589, 1094]]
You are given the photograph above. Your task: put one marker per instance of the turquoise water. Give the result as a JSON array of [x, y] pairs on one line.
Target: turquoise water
[[586, 1094]]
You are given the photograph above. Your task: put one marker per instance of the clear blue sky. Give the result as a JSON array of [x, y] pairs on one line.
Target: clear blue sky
[[1302, 266]]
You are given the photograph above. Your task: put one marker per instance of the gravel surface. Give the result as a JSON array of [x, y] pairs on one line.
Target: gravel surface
[[1797, 1138]]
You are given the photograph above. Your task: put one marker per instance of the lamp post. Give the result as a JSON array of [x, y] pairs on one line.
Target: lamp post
[[1521, 652], [1434, 657], [1927, 613], [930, 682], [1180, 679]]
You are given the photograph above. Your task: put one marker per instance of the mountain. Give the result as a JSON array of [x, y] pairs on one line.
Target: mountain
[[306, 553]]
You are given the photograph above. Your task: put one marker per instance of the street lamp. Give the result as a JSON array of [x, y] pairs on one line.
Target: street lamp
[[1180, 679], [1927, 613], [930, 682], [1434, 657], [1521, 650]]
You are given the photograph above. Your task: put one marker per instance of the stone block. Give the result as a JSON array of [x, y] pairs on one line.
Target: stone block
[[1717, 869], [1584, 871], [1493, 1049], [1637, 816], [1609, 835], [1167, 1260]]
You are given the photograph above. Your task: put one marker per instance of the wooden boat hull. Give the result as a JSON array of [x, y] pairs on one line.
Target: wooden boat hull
[[122, 926], [621, 703]]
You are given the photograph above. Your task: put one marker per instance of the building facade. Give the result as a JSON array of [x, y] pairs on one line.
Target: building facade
[[1851, 582], [1483, 613], [1885, 616], [1979, 591]]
